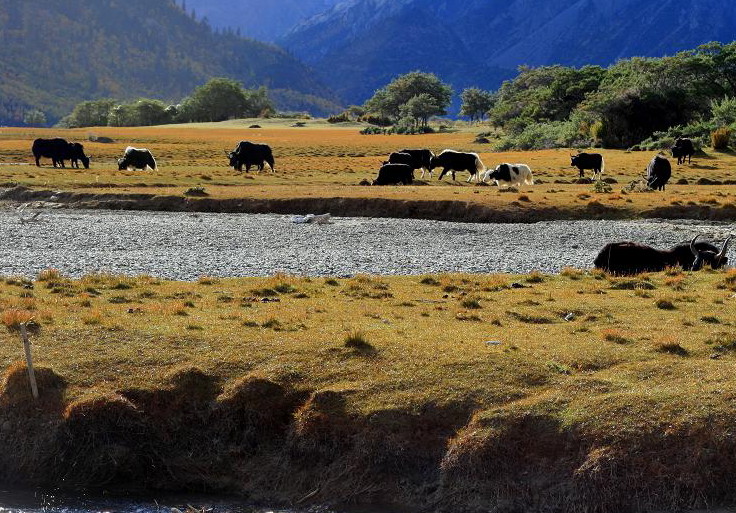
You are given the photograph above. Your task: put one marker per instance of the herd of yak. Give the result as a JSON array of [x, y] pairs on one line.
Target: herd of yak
[[622, 258]]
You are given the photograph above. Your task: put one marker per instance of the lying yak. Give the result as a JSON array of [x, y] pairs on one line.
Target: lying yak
[[453, 161], [136, 158], [391, 174], [508, 175], [627, 258]]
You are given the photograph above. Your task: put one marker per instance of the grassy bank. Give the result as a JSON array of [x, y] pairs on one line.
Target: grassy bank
[[321, 166], [576, 392]]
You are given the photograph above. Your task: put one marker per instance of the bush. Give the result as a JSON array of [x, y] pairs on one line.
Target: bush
[[376, 119], [720, 138], [540, 136], [724, 111], [339, 118]]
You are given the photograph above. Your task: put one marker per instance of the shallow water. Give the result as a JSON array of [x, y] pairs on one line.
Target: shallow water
[[38, 502], [185, 246]]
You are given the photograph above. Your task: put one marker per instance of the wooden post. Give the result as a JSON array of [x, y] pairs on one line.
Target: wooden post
[[29, 359]]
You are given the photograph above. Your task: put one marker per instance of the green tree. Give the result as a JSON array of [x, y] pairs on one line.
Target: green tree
[[476, 103], [724, 111], [389, 100], [547, 93], [640, 96], [258, 103], [420, 108], [92, 113], [217, 100], [34, 117], [148, 112], [122, 115]]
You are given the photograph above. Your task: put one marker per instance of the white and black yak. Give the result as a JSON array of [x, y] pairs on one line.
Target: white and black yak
[[136, 158], [508, 175], [453, 161]]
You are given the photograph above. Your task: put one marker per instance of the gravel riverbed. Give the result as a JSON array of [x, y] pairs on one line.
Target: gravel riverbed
[[184, 246]]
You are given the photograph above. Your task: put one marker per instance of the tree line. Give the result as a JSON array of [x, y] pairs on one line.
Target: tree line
[[217, 100], [637, 102]]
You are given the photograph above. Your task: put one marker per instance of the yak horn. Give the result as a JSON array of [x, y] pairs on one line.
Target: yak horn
[[722, 254], [694, 250]]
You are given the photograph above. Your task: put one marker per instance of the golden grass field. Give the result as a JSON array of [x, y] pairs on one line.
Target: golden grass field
[[573, 392], [597, 384], [324, 161]]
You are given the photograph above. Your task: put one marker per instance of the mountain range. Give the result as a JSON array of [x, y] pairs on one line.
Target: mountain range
[[357, 44], [55, 53]]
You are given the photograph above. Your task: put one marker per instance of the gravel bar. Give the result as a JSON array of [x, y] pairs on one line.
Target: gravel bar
[[185, 246]]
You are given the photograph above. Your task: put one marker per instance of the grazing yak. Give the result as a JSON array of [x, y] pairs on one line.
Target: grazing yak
[[136, 158], [59, 150], [250, 154], [422, 159], [659, 172], [508, 175], [390, 174], [683, 149], [627, 258], [584, 161], [453, 161]]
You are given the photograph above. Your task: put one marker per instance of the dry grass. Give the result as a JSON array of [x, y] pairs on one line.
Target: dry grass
[[317, 159], [347, 377], [97, 341]]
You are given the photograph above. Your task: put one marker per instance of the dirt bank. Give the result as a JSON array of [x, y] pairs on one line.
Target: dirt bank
[[442, 210], [275, 441]]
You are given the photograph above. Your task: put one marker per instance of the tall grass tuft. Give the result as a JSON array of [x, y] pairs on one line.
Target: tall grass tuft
[[721, 138], [357, 341]]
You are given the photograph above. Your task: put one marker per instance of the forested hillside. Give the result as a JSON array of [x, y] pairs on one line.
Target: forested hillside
[[55, 53], [357, 44]]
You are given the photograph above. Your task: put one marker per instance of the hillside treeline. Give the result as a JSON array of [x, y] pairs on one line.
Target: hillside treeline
[[638, 101], [56, 53], [217, 100]]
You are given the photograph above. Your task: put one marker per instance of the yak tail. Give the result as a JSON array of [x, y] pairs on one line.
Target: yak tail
[[153, 161], [603, 165]]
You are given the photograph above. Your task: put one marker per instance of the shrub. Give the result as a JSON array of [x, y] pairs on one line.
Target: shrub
[[615, 336], [49, 275], [572, 273], [601, 187], [664, 304], [343, 117], [471, 304], [720, 138], [196, 191], [357, 341], [428, 280], [535, 277], [672, 348]]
